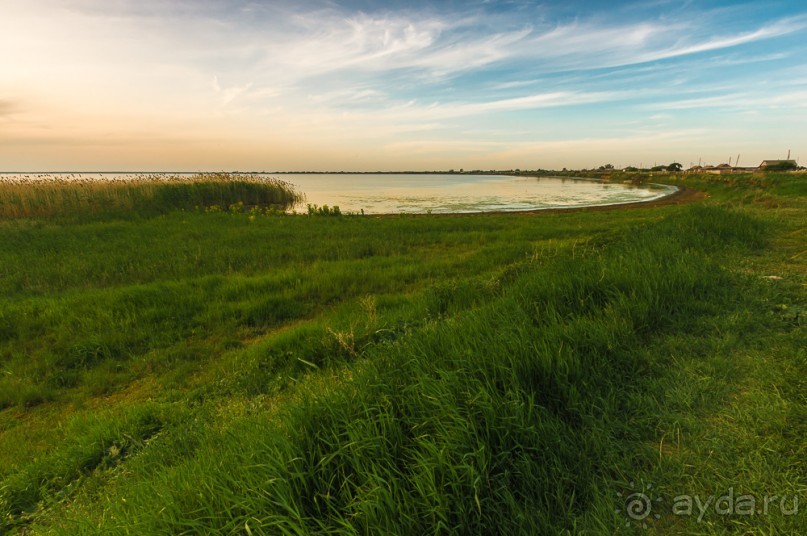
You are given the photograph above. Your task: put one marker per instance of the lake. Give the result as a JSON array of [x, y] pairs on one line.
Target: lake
[[384, 193], [440, 194]]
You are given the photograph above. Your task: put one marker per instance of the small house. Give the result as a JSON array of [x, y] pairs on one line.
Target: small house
[[778, 164]]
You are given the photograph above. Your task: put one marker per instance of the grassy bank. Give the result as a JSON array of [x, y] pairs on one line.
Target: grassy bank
[[196, 372]]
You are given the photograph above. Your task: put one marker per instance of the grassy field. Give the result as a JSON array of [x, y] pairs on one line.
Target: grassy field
[[166, 369]]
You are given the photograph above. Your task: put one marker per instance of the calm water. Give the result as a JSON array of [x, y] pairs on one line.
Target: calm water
[[412, 194], [395, 194]]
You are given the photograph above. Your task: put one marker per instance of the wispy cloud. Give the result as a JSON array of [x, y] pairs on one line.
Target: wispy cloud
[[442, 46], [776, 29], [587, 151], [7, 107], [751, 101], [414, 116], [529, 102], [231, 93], [360, 41], [355, 95]]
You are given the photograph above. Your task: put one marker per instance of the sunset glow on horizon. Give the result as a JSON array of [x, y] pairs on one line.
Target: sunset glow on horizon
[[176, 85]]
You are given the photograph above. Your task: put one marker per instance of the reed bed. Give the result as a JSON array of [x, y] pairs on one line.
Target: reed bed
[[77, 196]]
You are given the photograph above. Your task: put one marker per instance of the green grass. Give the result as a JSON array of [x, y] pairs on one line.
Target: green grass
[[48, 197], [213, 372]]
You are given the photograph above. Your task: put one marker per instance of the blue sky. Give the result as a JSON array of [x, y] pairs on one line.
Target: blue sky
[[326, 85]]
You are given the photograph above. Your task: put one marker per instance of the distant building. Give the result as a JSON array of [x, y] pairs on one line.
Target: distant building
[[777, 163], [722, 169]]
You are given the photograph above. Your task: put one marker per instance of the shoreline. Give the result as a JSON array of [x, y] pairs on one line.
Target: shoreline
[[681, 196]]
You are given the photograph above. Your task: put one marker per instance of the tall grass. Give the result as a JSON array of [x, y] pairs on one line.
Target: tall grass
[[512, 412], [147, 195]]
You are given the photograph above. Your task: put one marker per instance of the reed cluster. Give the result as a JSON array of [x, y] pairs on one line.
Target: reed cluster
[[76, 196]]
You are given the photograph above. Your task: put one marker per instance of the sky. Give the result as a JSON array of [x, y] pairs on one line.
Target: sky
[[316, 85]]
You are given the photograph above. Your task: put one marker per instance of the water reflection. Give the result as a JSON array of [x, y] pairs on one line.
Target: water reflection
[[413, 194]]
